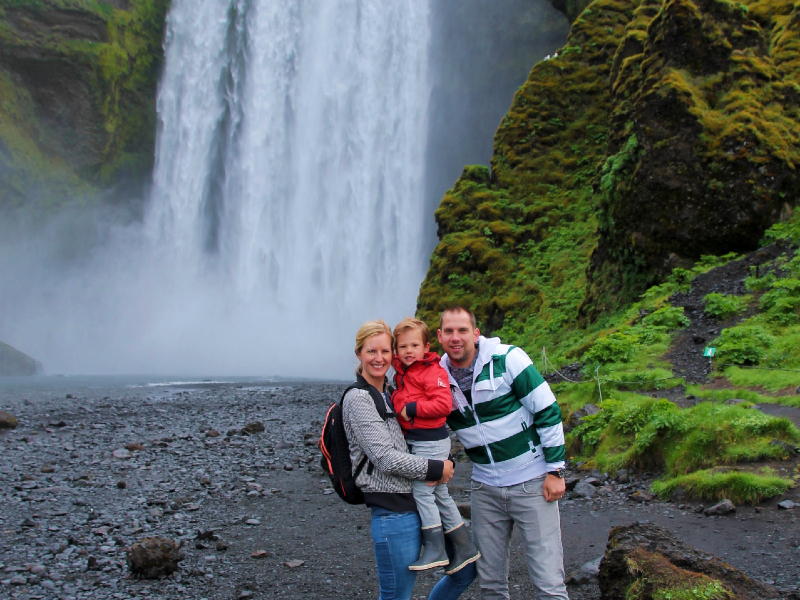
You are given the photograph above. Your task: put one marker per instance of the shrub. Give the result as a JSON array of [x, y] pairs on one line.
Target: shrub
[[669, 317], [616, 347], [745, 344], [782, 301], [721, 306]]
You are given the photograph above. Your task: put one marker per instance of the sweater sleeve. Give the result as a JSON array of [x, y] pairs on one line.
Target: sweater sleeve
[[535, 394], [438, 398], [374, 436]]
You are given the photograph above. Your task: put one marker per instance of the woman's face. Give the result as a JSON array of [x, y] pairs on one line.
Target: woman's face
[[376, 356]]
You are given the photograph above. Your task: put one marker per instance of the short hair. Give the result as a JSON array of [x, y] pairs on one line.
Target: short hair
[[457, 309], [410, 323], [368, 330]]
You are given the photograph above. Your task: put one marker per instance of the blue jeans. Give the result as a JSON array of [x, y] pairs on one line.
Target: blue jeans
[[397, 541]]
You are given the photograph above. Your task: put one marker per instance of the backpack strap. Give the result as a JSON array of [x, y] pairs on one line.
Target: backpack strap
[[380, 406]]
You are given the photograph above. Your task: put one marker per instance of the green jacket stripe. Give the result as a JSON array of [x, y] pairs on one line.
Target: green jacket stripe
[[511, 447], [498, 408]]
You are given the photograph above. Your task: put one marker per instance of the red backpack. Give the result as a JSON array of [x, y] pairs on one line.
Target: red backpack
[[336, 449]]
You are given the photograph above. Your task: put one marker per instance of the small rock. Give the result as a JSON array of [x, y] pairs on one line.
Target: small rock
[[465, 508], [122, 484], [121, 453], [212, 433], [571, 482], [154, 557], [288, 467], [580, 414], [259, 554], [622, 476], [586, 574], [221, 546], [205, 481], [254, 427], [18, 580], [584, 490], [7, 420], [789, 448], [593, 481], [246, 594], [134, 447], [786, 505], [699, 508], [48, 469], [283, 445], [678, 495], [91, 564], [29, 523], [641, 496], [722, 508], [253, 522], [293, 564]]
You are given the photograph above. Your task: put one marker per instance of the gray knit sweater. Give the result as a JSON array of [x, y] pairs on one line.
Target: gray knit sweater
[[383, 443]]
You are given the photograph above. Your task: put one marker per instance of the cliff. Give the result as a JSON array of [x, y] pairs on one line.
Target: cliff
[[662, 131], [14, 363], [78, 81]]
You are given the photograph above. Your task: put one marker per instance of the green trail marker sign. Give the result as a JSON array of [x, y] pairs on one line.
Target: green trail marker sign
[[709, 351]]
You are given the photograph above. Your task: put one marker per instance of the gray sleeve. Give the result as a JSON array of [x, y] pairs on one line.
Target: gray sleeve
[[379, 439]]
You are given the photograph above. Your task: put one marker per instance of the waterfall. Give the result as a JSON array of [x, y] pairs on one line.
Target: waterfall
[[290, 158]]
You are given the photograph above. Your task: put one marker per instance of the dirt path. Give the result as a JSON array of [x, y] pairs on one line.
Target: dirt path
[[78, 511], [686, 353]]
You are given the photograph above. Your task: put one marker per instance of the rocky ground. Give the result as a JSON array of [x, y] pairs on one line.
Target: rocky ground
[[74, 497]]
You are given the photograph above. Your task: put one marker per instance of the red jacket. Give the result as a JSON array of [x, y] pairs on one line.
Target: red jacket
[[423, 388]]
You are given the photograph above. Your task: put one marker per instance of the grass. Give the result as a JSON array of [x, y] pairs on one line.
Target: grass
[[738, 487], [656, 578], [649, 434], [720, 395]]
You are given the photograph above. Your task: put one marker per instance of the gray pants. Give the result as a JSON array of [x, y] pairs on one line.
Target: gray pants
[[495, 511], [434, 503]]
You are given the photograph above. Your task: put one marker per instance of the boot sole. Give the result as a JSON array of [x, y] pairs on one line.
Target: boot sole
[[433, 565], [463, 564]]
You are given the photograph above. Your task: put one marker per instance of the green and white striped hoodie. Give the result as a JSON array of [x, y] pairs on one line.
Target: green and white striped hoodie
[[513, 431]]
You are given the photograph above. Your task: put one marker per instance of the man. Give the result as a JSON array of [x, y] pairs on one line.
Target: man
[[510, 424]]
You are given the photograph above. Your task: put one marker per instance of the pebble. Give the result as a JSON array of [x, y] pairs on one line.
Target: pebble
[[722, 508], [121, 453], [786, 505]]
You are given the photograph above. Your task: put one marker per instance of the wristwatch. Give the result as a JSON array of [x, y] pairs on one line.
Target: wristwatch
[[560, 473]]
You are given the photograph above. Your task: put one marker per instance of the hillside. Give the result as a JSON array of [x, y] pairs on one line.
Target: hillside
[[78, 81]]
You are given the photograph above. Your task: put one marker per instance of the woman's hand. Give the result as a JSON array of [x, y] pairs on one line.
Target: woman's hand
[[447, 473]]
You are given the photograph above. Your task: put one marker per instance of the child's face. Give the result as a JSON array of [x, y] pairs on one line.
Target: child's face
[[410, 347]]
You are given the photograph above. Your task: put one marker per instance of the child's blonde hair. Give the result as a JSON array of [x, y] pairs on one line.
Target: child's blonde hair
[[408, 324]]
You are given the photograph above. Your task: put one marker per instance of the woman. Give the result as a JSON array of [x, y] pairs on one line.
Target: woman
[[387, 482]]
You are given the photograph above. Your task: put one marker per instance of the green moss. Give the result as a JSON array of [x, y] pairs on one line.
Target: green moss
[[712, 486], [643, 433]]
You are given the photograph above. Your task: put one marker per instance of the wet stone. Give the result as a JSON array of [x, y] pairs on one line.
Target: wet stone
[[722, 508]]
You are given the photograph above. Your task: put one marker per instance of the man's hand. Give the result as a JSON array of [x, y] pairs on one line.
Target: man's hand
[[447, 474], [554, 488], [404, 414]]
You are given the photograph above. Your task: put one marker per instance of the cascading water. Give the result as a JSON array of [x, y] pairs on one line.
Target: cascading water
[[290, 158]]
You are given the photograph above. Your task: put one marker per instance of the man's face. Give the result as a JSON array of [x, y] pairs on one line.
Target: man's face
[[458, 338]]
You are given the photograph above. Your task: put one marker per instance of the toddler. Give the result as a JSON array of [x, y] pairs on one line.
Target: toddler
[[422, 401]]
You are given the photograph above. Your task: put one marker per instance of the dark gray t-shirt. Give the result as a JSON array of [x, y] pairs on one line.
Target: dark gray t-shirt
[[463, 376]]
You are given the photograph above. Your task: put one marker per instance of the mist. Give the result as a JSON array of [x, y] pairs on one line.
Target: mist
[[293, 191]]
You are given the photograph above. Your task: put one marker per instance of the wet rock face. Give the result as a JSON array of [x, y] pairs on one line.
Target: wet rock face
[[154, 557], [696, 164], [643, 559]]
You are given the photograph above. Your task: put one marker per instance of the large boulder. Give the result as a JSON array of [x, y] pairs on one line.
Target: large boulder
[[646, 561], [155, 557], [14, 363], [7, 420]]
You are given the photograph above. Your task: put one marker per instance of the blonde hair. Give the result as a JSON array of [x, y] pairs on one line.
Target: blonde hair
[[368, 330], [408, 324]]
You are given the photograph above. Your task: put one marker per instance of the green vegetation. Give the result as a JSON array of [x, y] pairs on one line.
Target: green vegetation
[[739, 487], [722, 306], [656, 578], [643, 433], [102, 64]]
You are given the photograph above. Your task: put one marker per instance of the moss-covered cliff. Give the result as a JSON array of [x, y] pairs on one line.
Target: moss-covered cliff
[[663, 130], [78, 84]]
